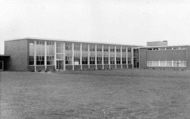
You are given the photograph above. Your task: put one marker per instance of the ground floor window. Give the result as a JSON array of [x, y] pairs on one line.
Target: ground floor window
[[99, 60], [76, 60], [50, 60], [105, 60], [60, 64], [118, 60], [166, 64], [39, 60], [68, 60], [31, 60], [123, 60], [84, 60], [92, 60], [112, 60]]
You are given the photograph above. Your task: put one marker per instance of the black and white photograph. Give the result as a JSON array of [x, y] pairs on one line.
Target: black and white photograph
[[94, 59]]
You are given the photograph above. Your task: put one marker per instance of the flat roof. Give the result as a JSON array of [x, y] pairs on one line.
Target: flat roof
[[165, 46], [43, 39]]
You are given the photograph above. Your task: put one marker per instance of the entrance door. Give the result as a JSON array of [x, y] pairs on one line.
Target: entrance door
[[1, 65], [59, 64]]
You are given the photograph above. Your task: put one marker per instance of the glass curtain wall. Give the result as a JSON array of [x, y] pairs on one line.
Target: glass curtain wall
[[50, 53], [59, 55], [40, 53]]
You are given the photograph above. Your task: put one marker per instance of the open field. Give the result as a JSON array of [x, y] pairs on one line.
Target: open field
[[116, 94]]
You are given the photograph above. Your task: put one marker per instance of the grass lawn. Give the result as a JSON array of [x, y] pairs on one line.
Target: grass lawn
[[116, 94]]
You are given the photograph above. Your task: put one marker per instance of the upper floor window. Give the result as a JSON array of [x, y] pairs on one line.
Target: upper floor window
[[105, 48], [123, 49], [112, 49], [118, 49], [92, 47], [77, 47], [68, 46], [84, 47], [99, 48]]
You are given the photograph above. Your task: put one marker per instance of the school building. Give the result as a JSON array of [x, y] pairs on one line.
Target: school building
[[52, 55], [45, 55]]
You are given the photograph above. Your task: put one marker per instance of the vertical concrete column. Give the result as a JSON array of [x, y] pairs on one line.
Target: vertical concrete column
[[127, 64], [73, 54], [121, 58], [45, 55], [96, 67], [88, 56], [64, 55], [132, 57], [55, 57], [115, 57], [102, 56], [109, 57], [81, 56], [35, 56]]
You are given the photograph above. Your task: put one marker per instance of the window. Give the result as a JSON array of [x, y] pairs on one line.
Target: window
[[68, 46], [169, 63], [129, 61], [129, 49], [105, 60], [39, 60], [118, 61], [162, 48], [175, 48], [123, 60], [68, 60], [59, 56], [92, 47], [163, 63], [40, 52], [99, 48], [182, 63], [166, 64], [112, 49], [50, 60], [59, 47], [84, 60], [175, 64], [169, 48], [84, 47], [99, 60], [92, 60], [31, 60], [118, 49], [105, 48], [77, 47], [155, 48], [50, 53], [76, 60], [123, 49], [112, 60]]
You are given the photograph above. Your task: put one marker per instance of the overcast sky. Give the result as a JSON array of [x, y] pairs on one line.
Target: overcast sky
[[108, 21]]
